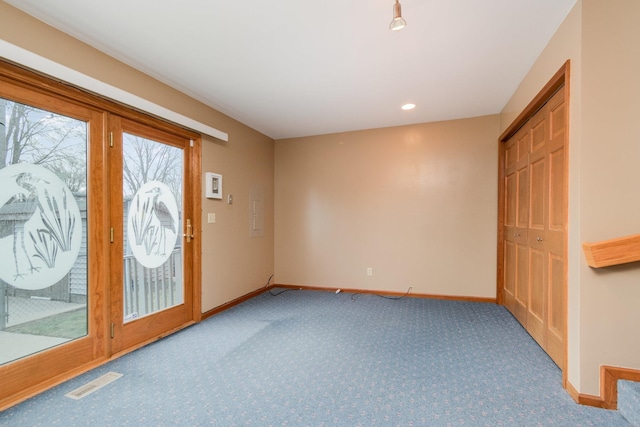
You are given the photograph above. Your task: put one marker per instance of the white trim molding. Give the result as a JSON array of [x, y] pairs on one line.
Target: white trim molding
[[29, 59]]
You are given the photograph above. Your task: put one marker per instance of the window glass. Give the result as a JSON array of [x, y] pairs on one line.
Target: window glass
[[43, 239]]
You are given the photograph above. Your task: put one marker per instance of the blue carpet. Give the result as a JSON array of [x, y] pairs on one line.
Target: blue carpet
[[325, 359], [629, 401]]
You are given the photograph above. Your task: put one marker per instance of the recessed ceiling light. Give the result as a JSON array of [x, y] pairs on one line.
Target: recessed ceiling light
[[407, 107]]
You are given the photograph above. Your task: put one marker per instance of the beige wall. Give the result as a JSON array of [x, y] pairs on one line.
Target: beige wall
[[601, 39], [234, 263], [417, 204], [610, 203]]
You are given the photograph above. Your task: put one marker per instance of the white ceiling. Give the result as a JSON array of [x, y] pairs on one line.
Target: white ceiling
[[291, 68]]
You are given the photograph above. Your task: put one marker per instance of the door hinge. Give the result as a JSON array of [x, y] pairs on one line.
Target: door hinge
[[111, 139], [189, 233], [113, 330], [111, 234]]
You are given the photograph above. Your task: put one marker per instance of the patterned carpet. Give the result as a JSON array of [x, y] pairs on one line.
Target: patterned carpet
[[324, 359]]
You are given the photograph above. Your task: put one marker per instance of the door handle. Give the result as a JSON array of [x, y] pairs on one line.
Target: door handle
[[189, 233], [539, 239]]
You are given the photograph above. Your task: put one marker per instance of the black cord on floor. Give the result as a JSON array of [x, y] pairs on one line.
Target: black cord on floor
[[281, 292], [384, 296]]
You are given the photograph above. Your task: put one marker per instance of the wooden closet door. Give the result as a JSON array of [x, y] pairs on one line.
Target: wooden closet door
[[516, 224], [511, 200], [555, 233], [538, 169], [534, 226], [545, 317]]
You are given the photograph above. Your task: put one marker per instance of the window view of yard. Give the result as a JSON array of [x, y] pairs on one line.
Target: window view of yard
[[43, 214], [70, 324]]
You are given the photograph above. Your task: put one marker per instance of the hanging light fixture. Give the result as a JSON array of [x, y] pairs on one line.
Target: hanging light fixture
[[398, 23]]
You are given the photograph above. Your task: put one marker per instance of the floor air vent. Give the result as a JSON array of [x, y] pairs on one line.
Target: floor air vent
[[94, 385]]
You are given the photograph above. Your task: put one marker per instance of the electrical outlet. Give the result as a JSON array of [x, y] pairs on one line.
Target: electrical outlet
[[369, 271]]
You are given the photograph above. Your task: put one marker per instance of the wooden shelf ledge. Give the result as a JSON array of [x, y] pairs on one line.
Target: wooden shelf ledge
[[612, 252]]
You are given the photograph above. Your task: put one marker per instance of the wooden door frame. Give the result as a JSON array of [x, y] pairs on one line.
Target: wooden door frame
[[161, 323], [560, 78]]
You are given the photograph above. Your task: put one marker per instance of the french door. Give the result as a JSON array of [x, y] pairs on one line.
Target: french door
[[98, 205], [51, 214], [152, 232]]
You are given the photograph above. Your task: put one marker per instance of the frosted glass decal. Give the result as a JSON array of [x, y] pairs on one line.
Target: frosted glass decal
[[152, 224], [40, 227]]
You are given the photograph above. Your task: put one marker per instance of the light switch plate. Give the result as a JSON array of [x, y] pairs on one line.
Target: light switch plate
[[211, 218]]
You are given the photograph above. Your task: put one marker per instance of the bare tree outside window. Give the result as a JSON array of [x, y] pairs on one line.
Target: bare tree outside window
[[31, 135], [146, 160]]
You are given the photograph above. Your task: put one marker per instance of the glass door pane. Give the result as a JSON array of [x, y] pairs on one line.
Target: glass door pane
[[151, 294], [152, 202], [43, 223]]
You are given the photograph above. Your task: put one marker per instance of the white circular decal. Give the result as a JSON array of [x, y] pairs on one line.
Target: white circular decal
[[40, 227], [152, 224]]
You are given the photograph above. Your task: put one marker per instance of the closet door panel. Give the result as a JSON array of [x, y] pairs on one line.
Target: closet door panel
[[510, 269], [510, 156], [555, 318], [511, 186], [522, 283], [555, 228], [535, 317], [522, 182], [537, 196]]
